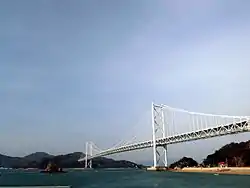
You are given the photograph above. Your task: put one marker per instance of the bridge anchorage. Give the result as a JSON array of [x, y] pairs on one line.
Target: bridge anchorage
[[170, 126]]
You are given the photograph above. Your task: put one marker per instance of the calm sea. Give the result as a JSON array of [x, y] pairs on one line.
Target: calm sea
[[124, 179]]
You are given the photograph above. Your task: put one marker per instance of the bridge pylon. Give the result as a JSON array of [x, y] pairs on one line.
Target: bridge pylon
[[88, 152], [158, 128]]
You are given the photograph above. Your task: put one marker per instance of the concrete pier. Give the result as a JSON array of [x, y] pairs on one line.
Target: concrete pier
[[158, 168]]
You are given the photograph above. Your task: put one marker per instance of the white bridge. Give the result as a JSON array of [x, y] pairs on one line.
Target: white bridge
[[172, 125]]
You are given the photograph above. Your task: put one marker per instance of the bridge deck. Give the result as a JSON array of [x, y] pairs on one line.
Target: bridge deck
[[184, 137]]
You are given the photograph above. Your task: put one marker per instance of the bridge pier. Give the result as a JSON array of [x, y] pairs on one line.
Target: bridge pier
[[165, 155]]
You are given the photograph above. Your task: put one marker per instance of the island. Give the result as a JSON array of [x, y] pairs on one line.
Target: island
[[184, 162], [52, 168]]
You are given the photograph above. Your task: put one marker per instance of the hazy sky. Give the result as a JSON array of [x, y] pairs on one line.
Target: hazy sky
[[73, 71]]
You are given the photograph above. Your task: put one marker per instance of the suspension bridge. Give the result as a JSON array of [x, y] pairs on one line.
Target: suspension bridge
[[171, 126]]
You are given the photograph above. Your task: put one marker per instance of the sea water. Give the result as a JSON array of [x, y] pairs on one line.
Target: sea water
[[123, 179]]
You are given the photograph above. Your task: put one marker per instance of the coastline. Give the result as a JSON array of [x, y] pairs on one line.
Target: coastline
[[216, 170]]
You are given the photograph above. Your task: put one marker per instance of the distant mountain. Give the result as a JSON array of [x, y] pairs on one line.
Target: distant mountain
[[37, 156], [102, 162], [7, 161], [40, 160], [64, 161], [234, 154]]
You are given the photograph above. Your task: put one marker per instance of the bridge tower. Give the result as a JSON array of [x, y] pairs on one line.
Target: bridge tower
[[88, 152], [158, 128]]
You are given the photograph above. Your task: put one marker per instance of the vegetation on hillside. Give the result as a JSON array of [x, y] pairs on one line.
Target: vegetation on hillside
[[40, 160], [184, 162], [233, 155]]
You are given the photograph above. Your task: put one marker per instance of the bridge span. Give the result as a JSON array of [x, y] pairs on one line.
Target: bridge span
[[228, 125]]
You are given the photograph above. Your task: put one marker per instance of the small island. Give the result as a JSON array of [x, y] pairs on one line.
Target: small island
[[52, 168], [184, 162]]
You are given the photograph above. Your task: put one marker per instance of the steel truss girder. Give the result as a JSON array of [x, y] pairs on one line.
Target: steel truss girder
[[221, 130]]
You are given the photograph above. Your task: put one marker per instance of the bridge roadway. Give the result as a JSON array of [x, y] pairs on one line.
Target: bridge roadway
[[222, 130]]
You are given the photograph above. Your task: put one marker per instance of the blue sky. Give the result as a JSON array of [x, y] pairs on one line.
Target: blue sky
[[73, 71]]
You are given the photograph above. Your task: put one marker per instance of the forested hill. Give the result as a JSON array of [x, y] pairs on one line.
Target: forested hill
[[184, 162], [234, 154], [41, 159]]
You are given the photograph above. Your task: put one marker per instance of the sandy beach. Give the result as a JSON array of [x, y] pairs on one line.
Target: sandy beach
[[217, 170]]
